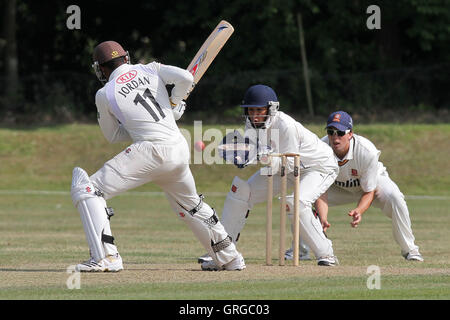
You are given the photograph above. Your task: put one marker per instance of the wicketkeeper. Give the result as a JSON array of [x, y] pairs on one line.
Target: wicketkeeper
[[134, 105], [280, 133]]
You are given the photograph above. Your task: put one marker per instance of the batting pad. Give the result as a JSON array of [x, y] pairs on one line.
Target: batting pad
[[209, 231], [236, 208], [304, 248], [92, 212]]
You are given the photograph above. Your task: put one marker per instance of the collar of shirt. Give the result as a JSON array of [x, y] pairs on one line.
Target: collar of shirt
[[118, 71]]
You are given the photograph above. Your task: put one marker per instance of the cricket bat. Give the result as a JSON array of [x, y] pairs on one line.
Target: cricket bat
[[208, 52]]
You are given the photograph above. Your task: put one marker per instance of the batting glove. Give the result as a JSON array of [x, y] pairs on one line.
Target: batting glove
[[178, 110]]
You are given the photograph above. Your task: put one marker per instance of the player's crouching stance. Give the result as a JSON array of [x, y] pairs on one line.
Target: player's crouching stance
[[282, 134], [364, 180], [134, 105]]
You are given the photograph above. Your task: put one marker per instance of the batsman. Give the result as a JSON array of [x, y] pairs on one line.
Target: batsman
[[135, 106], [280, 133]]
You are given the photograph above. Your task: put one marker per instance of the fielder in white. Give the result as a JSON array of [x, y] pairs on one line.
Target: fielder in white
[[134, 105], [364, 180], [318, 171]]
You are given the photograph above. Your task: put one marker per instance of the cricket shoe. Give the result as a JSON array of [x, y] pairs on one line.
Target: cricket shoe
[[303, 256], [237, 264], [328, 261], [413, 256], [204, 258], [111, 263]]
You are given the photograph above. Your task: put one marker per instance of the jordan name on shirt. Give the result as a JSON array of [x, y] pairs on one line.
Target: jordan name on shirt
[[133, 84]]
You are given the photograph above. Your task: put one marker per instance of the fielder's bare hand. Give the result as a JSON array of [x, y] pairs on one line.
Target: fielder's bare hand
[[356, 216], [325, 225]]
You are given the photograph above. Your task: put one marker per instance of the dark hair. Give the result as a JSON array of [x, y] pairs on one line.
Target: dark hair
[[114, 63]]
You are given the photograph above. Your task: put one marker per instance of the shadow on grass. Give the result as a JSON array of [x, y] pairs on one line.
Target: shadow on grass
[[31, 270]]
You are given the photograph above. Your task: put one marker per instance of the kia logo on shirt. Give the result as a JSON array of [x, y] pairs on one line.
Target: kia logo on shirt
[[126, 77]]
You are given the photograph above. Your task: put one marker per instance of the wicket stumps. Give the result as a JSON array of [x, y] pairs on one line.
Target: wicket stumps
[[283, 191]]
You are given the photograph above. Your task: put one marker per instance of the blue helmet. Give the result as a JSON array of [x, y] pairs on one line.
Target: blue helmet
[[259, 96]]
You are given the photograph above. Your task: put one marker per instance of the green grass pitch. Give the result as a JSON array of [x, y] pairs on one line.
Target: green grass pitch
[[41, 233]]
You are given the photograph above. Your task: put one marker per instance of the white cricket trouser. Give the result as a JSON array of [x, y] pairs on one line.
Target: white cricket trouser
[[313, 183], [167, 165], [391, 201]]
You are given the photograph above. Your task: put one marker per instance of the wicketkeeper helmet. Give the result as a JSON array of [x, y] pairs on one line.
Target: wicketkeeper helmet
[[258, 96]]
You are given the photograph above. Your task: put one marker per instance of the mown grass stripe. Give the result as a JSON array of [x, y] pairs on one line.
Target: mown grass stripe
[[159, 193]]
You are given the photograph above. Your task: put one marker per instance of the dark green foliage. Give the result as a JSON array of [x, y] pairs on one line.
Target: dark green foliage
[[403, 65]]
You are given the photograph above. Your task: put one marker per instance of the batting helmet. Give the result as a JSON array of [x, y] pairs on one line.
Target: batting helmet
[[105, 52]]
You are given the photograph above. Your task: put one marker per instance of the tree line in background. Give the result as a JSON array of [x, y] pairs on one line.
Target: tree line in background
[[404, 66]]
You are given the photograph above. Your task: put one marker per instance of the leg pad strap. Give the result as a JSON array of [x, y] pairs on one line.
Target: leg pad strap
[[107, 239], [219, 246]]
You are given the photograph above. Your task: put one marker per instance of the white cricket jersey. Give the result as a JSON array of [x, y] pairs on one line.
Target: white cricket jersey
[[359, 169], [286, 135], [134, 103]]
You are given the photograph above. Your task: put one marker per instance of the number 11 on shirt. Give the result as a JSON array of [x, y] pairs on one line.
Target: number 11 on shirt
[[142, 100]]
